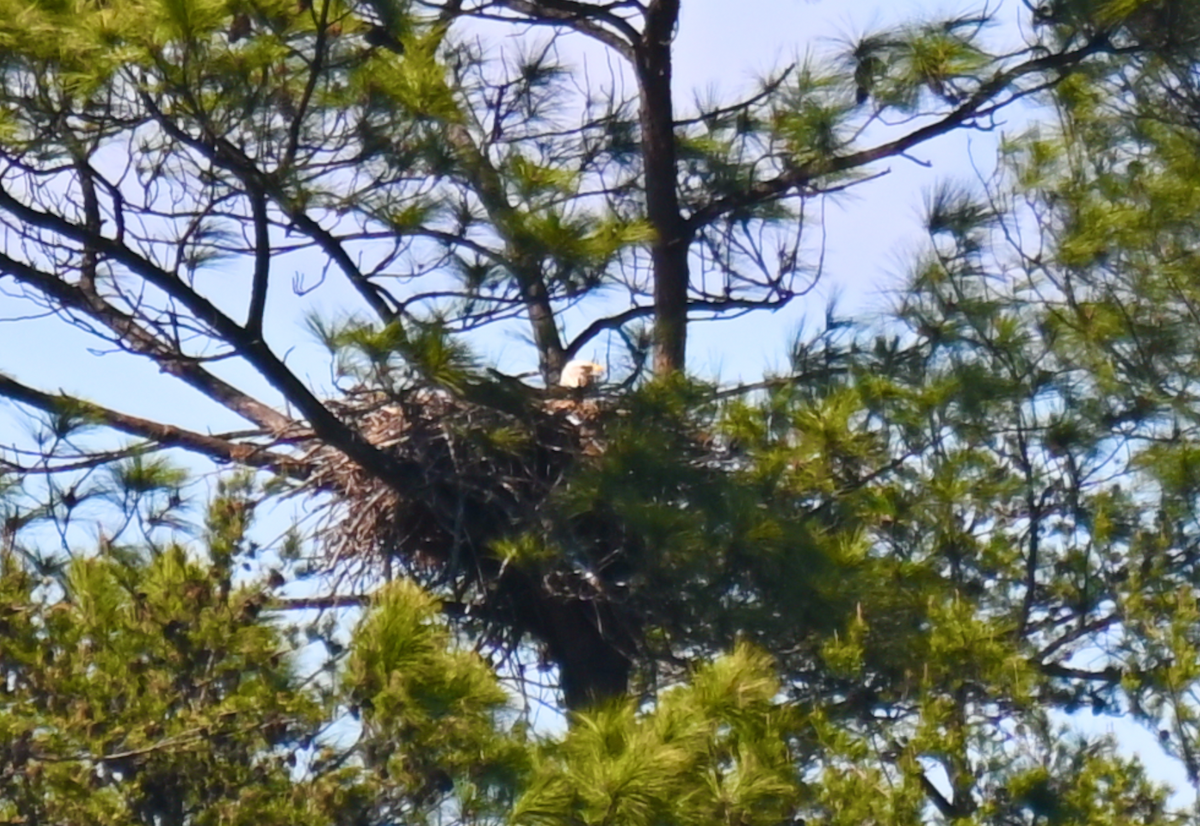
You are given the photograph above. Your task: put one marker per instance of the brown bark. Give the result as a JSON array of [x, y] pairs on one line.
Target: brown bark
[[164, 435], [672, 237], [588, 639]]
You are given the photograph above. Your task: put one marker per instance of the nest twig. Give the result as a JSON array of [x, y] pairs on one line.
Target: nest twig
[[486, 474]]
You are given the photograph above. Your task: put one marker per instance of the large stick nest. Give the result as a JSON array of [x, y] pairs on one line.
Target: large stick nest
[[486, 475]]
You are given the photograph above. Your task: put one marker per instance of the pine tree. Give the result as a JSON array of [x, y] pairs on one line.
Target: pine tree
[[143, 686], [926, 547], [167, 160]]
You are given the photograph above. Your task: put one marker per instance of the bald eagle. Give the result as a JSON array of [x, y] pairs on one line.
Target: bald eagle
[[580, 374]]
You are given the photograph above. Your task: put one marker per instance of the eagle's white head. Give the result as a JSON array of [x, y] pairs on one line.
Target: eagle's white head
[[580, 374]]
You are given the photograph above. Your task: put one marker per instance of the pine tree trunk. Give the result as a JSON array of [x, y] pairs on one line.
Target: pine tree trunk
[[669, 252]]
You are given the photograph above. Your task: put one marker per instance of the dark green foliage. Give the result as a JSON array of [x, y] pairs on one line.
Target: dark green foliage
[[146, 689]]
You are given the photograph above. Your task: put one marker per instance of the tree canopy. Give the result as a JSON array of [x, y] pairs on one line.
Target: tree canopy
[[142, 686], [876, 588]]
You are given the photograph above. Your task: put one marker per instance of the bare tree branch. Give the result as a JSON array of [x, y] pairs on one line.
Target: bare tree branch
[[84, 299], [325, 424], [581, 17], [163, 435], [262, 263], [225, 155]]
